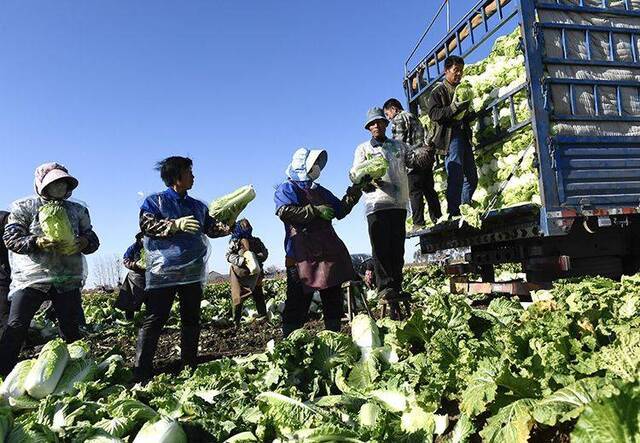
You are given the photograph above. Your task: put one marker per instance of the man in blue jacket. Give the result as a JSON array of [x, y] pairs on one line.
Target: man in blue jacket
[[176, 227]]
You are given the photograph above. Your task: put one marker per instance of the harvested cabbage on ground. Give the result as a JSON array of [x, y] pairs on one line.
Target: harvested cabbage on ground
[[565, 368], [227, 208]]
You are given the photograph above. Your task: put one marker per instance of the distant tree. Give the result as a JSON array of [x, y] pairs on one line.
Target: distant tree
[[272, 270], [106, 272]]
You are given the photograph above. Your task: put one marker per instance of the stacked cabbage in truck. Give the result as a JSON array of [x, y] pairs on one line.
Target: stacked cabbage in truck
[[557, 144]]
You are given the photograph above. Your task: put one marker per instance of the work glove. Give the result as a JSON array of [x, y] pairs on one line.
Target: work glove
[[423, 158], [325, 212], [460, 108], [366, 184], [187, 224], [46, 245]]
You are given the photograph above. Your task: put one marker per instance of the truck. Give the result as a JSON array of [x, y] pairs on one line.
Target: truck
[[582, 60]]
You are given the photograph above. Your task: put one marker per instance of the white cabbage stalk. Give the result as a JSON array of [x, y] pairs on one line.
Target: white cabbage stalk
[[76, 371], [163, 430], [13, 385], [365, 334], [47, 370]]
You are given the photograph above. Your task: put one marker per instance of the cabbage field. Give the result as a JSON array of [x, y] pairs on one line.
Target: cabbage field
[[458, 370]]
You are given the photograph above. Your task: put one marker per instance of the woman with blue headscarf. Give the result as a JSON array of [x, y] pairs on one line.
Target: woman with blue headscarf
[[246, 254], [316, 258]]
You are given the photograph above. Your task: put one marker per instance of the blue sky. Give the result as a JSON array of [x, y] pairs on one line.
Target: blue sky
[[110, 87]]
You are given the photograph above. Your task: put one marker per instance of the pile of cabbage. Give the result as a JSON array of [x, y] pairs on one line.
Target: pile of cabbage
[[497, 155], [65, 395]]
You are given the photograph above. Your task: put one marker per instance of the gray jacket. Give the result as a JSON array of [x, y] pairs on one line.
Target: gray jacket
[[32, 267]]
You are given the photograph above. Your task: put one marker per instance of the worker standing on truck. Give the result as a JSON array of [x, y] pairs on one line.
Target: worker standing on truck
[[386, 201], [5, 275], [451, 136], [132, 292], [246, 254], [46, 236], [176, 227], [316, 259], [406, 128]]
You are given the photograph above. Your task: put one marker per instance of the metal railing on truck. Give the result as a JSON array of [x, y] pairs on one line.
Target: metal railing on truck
[[593, 172]]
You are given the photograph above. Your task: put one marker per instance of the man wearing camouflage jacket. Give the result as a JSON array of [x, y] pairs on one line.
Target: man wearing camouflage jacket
[[408, 129]]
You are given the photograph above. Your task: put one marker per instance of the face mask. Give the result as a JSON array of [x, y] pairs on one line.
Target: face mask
[[56, 190], [314, 173]]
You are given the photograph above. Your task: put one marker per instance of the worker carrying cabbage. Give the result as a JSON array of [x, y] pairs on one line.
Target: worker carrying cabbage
[[246, 254], [132, 292], [176, 227], [316, 258], [46, 236], [386, 199], [408, 129], [451, 135]]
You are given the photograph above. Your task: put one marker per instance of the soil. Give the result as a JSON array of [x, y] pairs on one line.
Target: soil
[[216, 342]]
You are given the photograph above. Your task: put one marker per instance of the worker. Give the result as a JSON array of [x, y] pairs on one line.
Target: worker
[[5, 275], [316, 258], [132, 292], [175, 227], [386, 202], [246, 254], [406, 128], [45, 268], [451, 136]]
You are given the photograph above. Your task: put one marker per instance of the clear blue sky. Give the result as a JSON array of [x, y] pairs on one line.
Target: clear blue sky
[[110, 87]]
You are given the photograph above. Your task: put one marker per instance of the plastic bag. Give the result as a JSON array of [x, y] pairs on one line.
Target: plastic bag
[[177, 260]]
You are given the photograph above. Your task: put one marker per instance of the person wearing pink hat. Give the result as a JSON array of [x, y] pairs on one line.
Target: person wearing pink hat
[[42, 267]]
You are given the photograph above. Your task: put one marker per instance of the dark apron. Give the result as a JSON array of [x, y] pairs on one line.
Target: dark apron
[[322, 259], [132, 293], [242, 283]]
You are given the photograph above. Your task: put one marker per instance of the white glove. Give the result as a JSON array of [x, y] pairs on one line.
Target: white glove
[[186, 224]]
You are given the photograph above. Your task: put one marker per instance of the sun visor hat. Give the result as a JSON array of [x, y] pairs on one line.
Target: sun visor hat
[[316, 157]]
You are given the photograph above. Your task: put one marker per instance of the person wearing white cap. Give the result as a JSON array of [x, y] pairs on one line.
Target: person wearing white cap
[[316, 259], [45, 268], [386, 202]]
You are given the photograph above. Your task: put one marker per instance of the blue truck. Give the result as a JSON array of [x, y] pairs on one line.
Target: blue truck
[[587, 158]]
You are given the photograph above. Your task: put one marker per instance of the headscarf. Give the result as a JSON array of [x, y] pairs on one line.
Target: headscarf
[[242, 229]]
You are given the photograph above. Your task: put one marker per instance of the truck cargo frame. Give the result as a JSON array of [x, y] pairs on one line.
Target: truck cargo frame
[[588, 221]]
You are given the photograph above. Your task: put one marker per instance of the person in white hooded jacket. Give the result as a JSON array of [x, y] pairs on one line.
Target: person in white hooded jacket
[[44, 268]]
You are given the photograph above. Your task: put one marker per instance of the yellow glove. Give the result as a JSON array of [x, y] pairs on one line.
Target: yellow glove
[[187, 224]]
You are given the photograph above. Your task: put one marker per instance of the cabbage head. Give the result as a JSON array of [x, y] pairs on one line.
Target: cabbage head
[[163, 430], [375, 167], [13, 385], [227, 208], [45, 373], [55, 225]]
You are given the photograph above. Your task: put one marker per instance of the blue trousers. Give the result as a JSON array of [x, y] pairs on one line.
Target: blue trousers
[[462, 175]]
